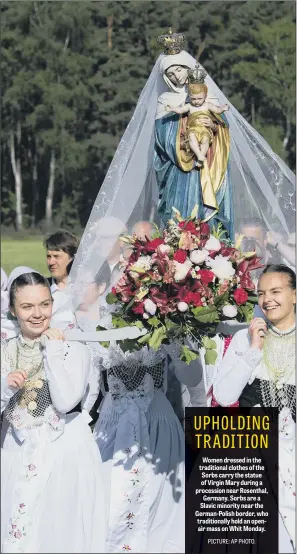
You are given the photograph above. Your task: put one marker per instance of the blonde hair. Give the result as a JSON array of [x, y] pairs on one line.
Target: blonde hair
[[195, 88]]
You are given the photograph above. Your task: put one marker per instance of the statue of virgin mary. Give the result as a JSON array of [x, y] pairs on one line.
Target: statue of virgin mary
[[180, 184], [145, 179]]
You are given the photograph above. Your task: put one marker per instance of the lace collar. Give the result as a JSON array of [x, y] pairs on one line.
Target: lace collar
[[280, 333], [29, 343]]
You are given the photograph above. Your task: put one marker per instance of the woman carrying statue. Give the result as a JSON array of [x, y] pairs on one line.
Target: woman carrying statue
[[52, 488], [259, 370]]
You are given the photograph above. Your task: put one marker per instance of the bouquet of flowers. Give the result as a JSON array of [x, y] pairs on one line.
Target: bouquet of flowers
[[180, 284]]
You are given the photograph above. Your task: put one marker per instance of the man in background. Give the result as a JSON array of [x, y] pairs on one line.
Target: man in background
[[272, 247], [61, 248]]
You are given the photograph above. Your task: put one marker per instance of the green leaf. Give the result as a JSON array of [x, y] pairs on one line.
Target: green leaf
[[153, 321], [188, 355], [111, 298], [118, 321], [138, 324], [130, 304], [253, 298], [170, 324], [221, 300], [247, 312], [206, 315], [209, 343], [157, 338], [145, 339], [99, 328], [210, 357], [156, 233], [105, 344]]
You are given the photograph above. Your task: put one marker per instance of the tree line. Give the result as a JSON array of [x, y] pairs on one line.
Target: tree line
[[72, 72]]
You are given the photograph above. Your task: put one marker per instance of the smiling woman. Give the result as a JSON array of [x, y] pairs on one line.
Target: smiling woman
[[32, 305], [260, 366], [43, 378]]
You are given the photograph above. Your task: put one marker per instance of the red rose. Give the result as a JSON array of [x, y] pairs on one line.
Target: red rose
[[240, 296], [188, 226], [113, 290], [193, 298], [180, 256], [153, 244], [204, 229], [206, 276], [158, 297], [138, 308]]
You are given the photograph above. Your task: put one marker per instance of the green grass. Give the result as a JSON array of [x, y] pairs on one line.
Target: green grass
[[29, 252]]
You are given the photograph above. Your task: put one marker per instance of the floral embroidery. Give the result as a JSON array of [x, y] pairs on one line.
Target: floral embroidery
[[31, 472], [16, 533], [126, 548], [135, 471], [127, 496], [135, 482], [129, 521], [21, 508]]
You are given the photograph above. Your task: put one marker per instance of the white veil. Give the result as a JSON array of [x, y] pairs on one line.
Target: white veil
[[263, 186]]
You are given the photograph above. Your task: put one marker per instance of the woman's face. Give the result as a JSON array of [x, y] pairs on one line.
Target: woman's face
[[276, 298], [33, 309], [91, 295], [178, 75]]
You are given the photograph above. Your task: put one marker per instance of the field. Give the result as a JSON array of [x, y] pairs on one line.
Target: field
[[27, 251]]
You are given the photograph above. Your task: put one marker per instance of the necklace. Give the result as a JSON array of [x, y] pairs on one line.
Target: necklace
[[281, 333], [279, 355], [30, 359]]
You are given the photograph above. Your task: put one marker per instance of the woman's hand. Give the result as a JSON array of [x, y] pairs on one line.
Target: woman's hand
[[54, 334], [208, 122], [257, 332], [16, 379]]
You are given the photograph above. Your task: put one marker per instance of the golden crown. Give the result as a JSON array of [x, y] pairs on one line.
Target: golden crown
[[172, 43], [197, 75]]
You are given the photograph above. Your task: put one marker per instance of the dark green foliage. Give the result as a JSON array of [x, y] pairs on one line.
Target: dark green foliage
[[72, 72]]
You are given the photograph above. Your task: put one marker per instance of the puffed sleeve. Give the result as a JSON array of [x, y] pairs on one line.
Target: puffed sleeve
[[93, 387], [235, 369], [67, 367], [7, 366], [6, 392]]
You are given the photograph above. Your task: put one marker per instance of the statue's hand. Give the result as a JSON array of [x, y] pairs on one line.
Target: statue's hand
[[207, 122]]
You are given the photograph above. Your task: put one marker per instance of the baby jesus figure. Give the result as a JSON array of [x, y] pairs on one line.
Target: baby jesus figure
[[198, 137]]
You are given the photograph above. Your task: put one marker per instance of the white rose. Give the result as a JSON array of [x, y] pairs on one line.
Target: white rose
[[150, 307], [182, 270], [221, 267], [134, 275], [164, 248], [146, 316], [143, 262], [229, 311], [182, 306], [198, 256], [213, 244]]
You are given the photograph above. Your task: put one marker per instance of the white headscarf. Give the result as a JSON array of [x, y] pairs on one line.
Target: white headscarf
[[10, 327], [17, 272]]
